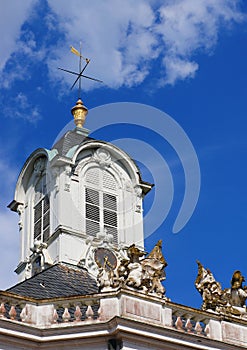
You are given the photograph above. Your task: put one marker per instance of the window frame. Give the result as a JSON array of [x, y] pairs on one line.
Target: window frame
[[43, 205], [102, 222]]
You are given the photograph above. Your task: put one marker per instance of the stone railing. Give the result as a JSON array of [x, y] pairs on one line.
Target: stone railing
[[193, 321], [50, 311], [229, 329], [124, 303], [190, 323]]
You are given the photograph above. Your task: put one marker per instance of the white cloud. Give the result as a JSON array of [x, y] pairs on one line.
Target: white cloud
[[178, 69], [8, 177], [9, 232], [22, 108], [10, 245], [126, 37], [189, 26], [123, 38], [12, 16], [117, 36]]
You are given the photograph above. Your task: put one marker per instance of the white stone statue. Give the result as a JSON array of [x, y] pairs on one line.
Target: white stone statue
[[135, 274]]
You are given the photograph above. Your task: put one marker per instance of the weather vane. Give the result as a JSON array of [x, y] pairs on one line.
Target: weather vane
[[81, 70]]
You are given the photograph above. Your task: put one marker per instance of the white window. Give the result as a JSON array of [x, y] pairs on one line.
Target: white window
[[101, 203], [41, 211]]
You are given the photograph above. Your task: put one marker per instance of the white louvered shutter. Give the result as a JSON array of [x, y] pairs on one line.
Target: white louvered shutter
[[41, 212], [101, 203], [92, 212]]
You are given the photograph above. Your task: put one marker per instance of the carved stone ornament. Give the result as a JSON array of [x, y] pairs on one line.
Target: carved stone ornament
[[28, 270], [67, 178], [102, 157], [230, 301], [20, 211], [39, 249], [39, 166], [55, 175], [128, 186], [133, 271], [107, 263], [138, 191]]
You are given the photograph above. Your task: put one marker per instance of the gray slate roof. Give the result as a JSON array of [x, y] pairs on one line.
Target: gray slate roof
[[60, 280], [68, 140]]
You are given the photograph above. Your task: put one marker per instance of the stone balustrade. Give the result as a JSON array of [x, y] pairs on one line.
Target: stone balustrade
[[124, 303], [48, 312], [186, 319]]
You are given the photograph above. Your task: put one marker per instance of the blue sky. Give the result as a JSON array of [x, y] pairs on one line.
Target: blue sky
[[186, 58]]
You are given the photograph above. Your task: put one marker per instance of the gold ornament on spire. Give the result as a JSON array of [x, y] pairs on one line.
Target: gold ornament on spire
[[79, 111]]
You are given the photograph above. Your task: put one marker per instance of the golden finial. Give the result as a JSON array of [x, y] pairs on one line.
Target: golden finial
[[79, 111]]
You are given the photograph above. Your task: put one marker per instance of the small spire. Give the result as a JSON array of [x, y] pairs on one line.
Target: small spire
[[79, 111]]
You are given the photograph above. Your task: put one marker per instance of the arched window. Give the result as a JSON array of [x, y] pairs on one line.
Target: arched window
[[101, 203], [41, 211]]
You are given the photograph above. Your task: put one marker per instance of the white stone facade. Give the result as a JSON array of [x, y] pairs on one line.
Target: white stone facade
[[95, 171]]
